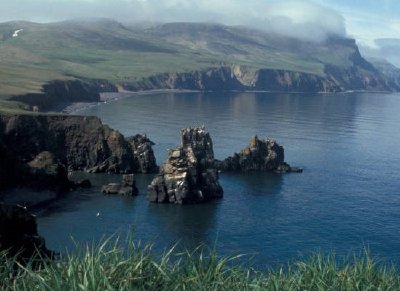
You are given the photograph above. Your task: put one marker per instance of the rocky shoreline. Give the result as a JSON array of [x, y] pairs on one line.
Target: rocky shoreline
[[69, 96], [38, 152]]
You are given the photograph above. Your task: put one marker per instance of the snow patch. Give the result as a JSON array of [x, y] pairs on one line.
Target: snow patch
[[15, 34]]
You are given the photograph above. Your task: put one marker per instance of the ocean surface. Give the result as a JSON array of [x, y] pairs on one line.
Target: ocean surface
[[347, 198]]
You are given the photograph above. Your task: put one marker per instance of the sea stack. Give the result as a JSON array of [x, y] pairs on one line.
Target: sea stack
[[189, 175], [260, 155]]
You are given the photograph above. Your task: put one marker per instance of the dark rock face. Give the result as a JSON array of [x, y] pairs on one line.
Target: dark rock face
[[127, 188], [189, 175], [18, 233], [259, 155], [44, 171], [47, 144], [60, 93], [143, 153], [360, 76]]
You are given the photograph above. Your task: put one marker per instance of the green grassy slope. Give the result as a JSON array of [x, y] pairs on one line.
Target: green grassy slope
[[105, 49], [111, 267]]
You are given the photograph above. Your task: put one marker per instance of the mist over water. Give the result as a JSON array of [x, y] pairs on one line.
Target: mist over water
[[347, 197]]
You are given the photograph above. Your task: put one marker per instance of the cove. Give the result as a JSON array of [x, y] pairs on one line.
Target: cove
[[347, 197]]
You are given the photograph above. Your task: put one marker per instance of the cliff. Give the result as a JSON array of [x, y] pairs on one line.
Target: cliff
[[235, 77], [58, 94], [34, 143]]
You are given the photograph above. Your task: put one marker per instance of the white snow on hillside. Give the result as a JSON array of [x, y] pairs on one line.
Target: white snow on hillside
[[15, 34]]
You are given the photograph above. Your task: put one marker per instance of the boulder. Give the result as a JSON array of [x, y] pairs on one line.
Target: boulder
[[127, 188], [189, 174], [260, 155], [19, 235]]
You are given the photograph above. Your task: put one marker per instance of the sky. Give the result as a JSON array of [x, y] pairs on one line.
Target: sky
[[364, 20]]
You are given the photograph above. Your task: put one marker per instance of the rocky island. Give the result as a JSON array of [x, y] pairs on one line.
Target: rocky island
[[189, 175], [260, 155]]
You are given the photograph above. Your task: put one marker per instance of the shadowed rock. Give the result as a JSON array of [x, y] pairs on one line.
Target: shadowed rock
[[260, 155], [19, 235], [189, 175], [127, 188], [34, 145], [143, 153]]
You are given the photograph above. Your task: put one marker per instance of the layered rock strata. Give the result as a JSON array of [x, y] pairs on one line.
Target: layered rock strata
[[189, 174], [260, 155]]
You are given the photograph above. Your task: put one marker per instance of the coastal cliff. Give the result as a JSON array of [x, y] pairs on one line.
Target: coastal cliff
[[58, 94], [241, 78], [53, 144]]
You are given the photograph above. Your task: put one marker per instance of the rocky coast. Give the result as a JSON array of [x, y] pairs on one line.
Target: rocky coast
[[189, 175], [39, 150]]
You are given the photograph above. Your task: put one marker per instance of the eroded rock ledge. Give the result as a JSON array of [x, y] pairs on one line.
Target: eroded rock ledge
[[36, 148], [260, 155], [189, 174]]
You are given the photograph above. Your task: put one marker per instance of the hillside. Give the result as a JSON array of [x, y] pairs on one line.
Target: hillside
[[134, 56]]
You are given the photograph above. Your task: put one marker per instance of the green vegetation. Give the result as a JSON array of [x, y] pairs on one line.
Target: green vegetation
[[111, 267], [105, 49]]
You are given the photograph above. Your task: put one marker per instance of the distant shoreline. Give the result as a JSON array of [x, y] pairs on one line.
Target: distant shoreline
[[105, 97]]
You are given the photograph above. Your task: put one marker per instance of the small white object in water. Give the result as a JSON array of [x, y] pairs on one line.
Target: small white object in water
[[97, 214], [15, 34]]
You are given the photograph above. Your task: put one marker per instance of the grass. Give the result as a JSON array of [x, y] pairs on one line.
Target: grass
[[105, 50], [108, 266]]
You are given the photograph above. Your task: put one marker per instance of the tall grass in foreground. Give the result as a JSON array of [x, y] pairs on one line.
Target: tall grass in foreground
[[108, 266]]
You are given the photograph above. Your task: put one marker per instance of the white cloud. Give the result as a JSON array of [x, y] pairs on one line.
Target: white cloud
[[295, 18]]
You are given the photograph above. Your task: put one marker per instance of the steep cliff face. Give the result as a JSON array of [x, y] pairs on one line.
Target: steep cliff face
[[60, 93], [237, 77], [76, 142]]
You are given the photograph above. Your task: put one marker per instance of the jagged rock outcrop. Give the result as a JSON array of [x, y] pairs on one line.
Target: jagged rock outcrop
[[47, 143], [18, 233], [260, 155], [127, 188], [58, 94], [189, 175], [143, 153]]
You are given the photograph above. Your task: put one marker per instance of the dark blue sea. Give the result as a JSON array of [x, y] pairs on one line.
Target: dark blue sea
[[347, 198]]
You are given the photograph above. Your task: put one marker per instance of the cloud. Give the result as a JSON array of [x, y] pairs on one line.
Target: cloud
[[384, 48], [303, 19]]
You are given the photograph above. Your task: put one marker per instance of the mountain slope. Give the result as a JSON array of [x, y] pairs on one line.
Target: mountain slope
[[132, 56]]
